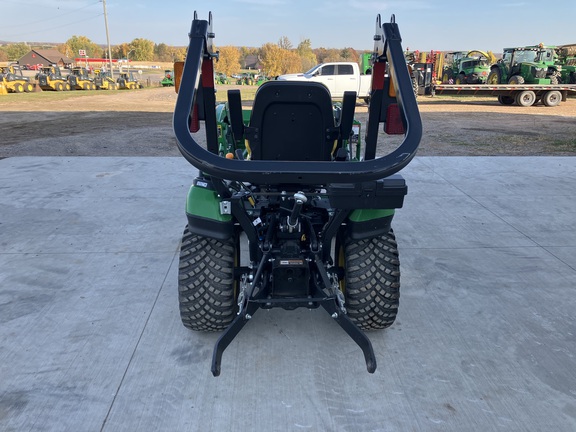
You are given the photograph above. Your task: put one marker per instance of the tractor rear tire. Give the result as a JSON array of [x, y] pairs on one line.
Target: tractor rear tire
[[371, 283], [552, 98], [494, 77], [206, 286]]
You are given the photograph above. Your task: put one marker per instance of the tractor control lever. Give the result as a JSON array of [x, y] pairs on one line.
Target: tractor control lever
[[299, 200]]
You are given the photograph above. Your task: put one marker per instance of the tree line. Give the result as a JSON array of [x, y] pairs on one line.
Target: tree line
[[281, 57], [275, 58]]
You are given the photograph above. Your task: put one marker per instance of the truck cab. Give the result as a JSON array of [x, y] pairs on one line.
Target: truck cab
[[337, 76]]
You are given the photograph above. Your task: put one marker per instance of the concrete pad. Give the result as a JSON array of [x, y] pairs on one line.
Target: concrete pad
[[92, 340]]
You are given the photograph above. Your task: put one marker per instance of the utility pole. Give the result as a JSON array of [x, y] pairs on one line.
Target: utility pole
[[108, 39]]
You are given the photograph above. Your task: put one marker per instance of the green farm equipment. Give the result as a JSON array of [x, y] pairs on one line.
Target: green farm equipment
[[534, 64], [103, 80], [50, 78], [168, 80], [567, 61], [290, 209], [470, 67], [79, 79], [13, 79]]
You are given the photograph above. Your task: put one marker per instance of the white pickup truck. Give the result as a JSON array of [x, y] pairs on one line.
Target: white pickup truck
[[338, 77]]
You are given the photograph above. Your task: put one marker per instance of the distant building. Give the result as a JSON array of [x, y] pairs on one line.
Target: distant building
[[46, 57], [252, 62]]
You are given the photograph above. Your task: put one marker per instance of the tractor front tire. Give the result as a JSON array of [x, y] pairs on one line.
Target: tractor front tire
[[206, 285], [371, 283]]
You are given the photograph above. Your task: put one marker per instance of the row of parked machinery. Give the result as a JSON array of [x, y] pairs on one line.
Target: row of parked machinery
[[524, 75], [79, 78]]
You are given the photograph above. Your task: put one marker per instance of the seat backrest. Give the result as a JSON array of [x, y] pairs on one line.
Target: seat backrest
[[292, 121]]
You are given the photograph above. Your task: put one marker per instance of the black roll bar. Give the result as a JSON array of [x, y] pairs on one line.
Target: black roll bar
[[387, 49]]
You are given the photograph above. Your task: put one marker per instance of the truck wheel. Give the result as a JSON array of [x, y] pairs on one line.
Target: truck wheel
[[516, 80], [493, 77], [506, 100], [206, 282], [552, 98], [371, 283], [526, 98]]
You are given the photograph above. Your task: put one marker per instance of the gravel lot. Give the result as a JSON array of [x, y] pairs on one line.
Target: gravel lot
[[139, 123]]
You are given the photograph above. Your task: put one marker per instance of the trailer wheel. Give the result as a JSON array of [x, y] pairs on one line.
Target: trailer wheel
[[552, 98], [206, 285], [506, 100], [526, 98], [371, 282]]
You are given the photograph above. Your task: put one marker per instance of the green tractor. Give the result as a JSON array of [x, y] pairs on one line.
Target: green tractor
[[289, 208], [79, 79], [534, 64], [567, 60], [14, 80], [50, 78], [470, 67], [103, 80], [168, 80]]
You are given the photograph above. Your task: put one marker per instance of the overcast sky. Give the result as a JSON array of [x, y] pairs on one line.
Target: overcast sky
[[440, 25]]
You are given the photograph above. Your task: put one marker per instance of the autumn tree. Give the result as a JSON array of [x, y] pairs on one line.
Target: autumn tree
[[16, 50], [120, 51], [277, 61], [180, 53], [229, 60], [163, 53], [142, 50], [285, 43], [307, 56], [3, 55], [77, 43]]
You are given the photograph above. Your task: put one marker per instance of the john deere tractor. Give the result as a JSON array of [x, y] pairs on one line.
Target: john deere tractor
[[80, 79], [103, 80], [168, 80], [14, 80], [470, 67], [290, 207], [567, 60], [50, 78], [534, 64]]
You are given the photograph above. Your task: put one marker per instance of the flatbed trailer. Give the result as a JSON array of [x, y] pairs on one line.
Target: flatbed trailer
[[523, 95]]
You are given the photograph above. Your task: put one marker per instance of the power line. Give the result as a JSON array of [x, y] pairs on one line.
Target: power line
[[49, 18], [59, 26]]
